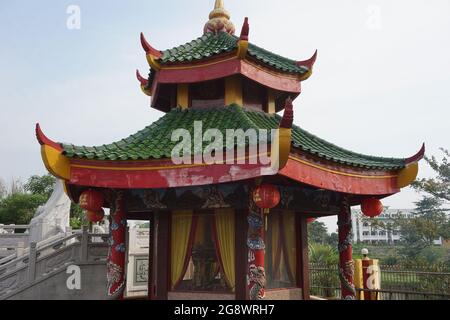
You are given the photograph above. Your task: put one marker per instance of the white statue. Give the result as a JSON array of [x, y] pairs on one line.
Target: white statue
[[53, 217]]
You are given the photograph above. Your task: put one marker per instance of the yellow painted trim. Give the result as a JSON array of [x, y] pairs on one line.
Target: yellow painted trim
[[242, 49], [151, 59], [271, 109], [56, 163], [146, 92], [306, 76], [339, 172], [233, 91], [281, 148], [183, 95], [408, 175]]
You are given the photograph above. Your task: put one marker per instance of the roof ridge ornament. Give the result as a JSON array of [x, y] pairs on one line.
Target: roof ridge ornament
[[243, 40], [288, 116], [219, 20], [282, 141]]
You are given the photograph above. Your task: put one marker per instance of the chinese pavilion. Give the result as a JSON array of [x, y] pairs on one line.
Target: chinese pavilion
[[212, 233]]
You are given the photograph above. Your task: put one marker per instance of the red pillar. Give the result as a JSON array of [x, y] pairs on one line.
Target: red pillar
[[117, 249], [346, 265], [256, 252]]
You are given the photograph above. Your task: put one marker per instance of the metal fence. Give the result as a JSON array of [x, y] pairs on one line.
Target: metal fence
[[431, 282]]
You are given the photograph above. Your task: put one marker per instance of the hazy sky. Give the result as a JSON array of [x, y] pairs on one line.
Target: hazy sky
[[380, 86]]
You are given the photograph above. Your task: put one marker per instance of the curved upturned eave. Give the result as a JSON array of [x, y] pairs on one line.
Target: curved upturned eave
[[52, 156]]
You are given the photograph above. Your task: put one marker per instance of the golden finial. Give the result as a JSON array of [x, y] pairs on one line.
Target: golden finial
[[219, 20]]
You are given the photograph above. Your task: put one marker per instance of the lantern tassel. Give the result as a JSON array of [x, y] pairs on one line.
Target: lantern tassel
[[266, 214]]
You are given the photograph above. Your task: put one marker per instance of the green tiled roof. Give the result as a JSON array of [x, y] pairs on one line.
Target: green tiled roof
[[154, 142], [211, 44]]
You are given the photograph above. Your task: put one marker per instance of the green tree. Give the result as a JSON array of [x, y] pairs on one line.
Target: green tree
[[419, 232], [77, 219], [430, 220], [19, 208], [3, 189], [333, 240], [323, 254], [317, 232], [42, 185], [438, 187], [19, 205]]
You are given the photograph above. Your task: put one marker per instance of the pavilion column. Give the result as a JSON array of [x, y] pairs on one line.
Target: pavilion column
[[346, 265], [256, 274], [302, 255], [117, 249]]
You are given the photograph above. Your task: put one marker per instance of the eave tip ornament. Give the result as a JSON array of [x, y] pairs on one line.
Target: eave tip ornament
[[152, 54], [407, 175], [143, 82], [309, 64], [219, 20], [52, 156]]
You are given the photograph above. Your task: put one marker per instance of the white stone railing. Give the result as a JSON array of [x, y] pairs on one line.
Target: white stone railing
[[40, 260], [12, 242]]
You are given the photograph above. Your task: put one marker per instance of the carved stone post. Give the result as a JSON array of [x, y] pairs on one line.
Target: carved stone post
[[117, 249], [346, 266], [256, 277]]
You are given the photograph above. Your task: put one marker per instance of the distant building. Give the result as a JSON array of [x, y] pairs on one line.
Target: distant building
[[365, 232]]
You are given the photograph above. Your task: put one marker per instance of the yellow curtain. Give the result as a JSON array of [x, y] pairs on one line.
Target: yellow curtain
[[290, 251], [276, 248], [180, 236], [226, 243]]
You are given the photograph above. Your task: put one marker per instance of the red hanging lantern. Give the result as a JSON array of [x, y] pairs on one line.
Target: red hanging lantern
[[371, 207], [311, 220], [91, 200], [266, 196], [95, 216]]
